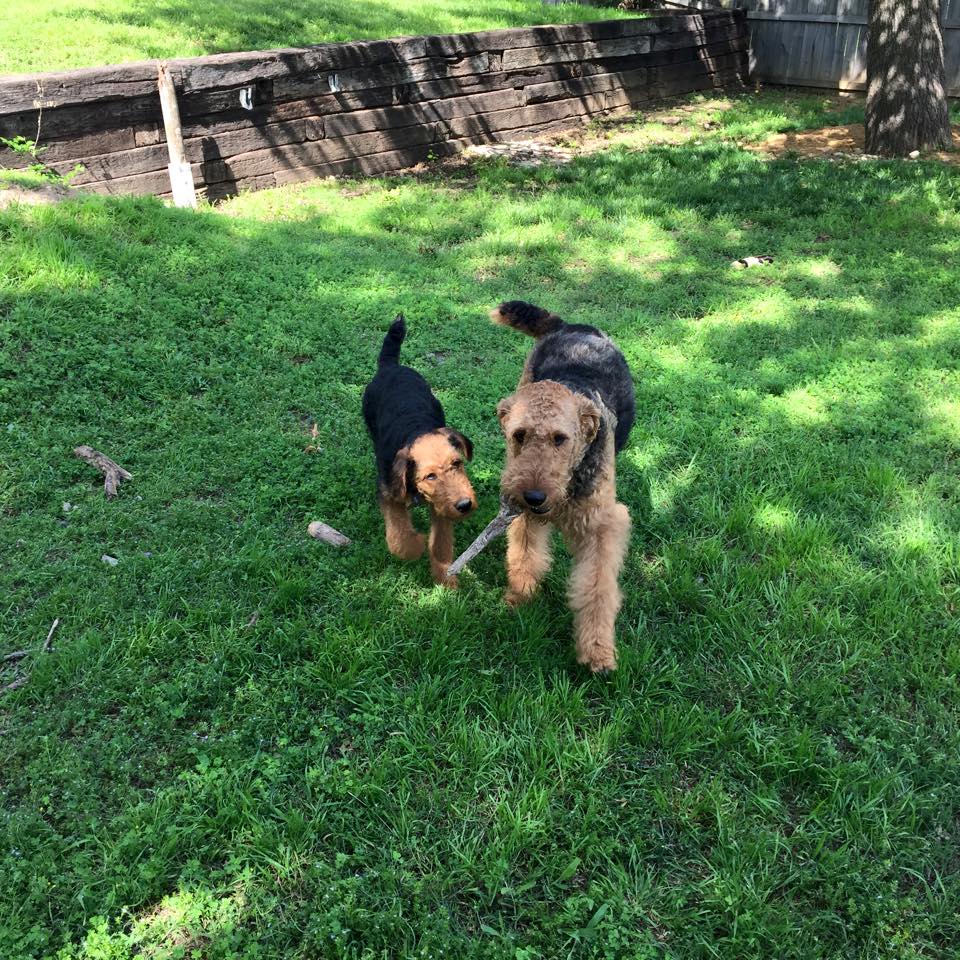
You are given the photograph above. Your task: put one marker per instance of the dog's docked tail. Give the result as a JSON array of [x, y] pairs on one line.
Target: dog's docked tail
[[390, 351], [529, 319]]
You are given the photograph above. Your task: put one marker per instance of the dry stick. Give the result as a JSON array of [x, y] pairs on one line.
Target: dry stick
[[181, 176], [20, 654], [112, 472], [493, 529], [17, 654], [326, 534], [53, 629], [19, 682]]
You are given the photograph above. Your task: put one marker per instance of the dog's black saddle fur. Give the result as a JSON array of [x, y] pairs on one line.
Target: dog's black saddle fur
[[587, 361]]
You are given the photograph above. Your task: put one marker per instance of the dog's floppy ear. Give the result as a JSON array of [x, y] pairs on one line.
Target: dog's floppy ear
[[403, 480], [589, 419], [461, 442], [503, 409]]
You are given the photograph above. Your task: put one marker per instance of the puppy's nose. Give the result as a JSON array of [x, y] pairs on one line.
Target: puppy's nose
[[465, 505], [534, 497]]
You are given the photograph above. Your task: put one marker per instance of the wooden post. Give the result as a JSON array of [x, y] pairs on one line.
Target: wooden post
[[181, 176]]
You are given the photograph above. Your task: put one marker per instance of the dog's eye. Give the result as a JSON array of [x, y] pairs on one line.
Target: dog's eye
[[520, 436], [457, 464], [559, 439], [430, 476]]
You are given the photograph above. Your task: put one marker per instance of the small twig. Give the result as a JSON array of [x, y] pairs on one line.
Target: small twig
[[16, 684], [53, 629], [19, 654], [112, 472], [493, 529]]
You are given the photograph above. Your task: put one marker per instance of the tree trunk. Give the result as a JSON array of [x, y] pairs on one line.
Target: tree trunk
[[906, 95]]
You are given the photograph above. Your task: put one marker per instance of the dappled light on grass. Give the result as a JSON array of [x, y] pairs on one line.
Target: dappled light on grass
[[384, 768]]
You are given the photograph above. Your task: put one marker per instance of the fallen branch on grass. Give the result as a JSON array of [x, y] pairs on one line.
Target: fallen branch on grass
[[493, 529], [112, 472], [22, 678], [326, 534], [14, 685]]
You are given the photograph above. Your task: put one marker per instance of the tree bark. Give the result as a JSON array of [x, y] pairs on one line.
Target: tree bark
[[906, 86]]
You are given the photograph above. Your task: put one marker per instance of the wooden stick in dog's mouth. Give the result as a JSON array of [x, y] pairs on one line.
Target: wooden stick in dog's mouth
[[496, 527]]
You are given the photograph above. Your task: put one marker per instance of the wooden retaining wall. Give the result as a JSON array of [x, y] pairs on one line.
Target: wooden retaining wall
[[254, 120]]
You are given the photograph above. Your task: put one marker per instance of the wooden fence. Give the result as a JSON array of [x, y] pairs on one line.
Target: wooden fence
[[823, 43], [253, 120]]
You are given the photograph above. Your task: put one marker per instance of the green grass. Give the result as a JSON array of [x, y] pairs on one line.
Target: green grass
[[248, 745], [38, 35]]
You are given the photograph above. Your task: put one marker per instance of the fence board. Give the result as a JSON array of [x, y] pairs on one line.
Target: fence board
[[823, 43]]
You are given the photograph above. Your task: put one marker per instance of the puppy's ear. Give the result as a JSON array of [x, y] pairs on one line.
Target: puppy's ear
[[403, 480], [503, 409], [589, 419], [461, 442]]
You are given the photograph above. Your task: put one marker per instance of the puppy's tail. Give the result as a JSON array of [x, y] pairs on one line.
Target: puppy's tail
[[529, 319], [390, 351]]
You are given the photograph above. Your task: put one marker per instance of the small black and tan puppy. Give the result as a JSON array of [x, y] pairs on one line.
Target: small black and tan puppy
[[419, 458]]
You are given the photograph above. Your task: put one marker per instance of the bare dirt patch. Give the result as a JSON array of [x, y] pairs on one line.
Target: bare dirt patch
[[828, 141], [33, 195]]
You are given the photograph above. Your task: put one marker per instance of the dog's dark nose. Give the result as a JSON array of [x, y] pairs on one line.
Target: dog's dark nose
[[534, 497], [465, 505]]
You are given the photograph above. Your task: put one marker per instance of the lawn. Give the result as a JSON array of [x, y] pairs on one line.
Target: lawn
[[63, 34], [246, 744]]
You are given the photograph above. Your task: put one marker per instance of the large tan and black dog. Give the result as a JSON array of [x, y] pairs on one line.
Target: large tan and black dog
[[419, 459], [569, 417]]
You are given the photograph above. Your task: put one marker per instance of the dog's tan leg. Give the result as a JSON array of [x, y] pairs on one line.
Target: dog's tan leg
[[528, 558], [594, 588], [403, 540], [441, 550]]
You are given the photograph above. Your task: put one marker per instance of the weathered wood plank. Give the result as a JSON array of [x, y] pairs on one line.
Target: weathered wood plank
[[109, 141], [156, 182], [388, 75], [60, 123], [543, 92], [50, 90], [368, 165], [360, 121], [311, 153], [206, 150], [481, 125], [575, 52], [694, 34]]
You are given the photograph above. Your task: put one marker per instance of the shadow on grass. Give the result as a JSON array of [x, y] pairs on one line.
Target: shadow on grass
[[257, 744]]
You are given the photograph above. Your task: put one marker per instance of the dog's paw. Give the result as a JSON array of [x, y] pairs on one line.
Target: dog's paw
[[451, 583], [410, 548], [601, 664], [515, 598]]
